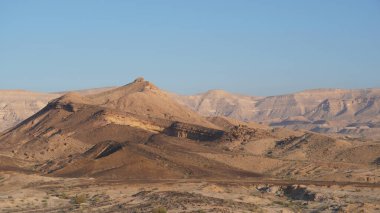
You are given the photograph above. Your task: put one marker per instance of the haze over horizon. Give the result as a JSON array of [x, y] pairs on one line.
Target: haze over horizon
[[247, 47]]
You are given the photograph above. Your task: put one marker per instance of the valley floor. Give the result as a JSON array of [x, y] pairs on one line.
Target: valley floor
[[33, 193]]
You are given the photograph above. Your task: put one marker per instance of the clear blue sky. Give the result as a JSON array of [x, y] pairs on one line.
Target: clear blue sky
[[252, 47]]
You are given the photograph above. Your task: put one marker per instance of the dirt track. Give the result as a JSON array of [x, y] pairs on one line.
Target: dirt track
[[245, 181]]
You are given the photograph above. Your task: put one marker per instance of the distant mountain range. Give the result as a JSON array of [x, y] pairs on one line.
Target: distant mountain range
[[355, 112], [352, 112]]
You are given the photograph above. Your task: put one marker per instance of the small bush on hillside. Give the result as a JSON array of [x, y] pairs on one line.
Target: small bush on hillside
[[160, 210], [79, 199]]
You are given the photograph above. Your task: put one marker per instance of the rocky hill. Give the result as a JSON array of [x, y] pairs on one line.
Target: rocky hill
[[134, 131], [138, 132], [135, 149]]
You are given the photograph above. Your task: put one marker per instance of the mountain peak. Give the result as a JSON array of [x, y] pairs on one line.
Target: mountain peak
[[139, 85], [217, 92], [141, 97], [139, 79]]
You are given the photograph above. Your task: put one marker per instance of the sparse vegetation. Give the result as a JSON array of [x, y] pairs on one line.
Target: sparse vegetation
[[292, 205], [159, 210], [62, 195], [79, 199]]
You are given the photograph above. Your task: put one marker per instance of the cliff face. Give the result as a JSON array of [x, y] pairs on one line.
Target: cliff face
[[193, 132], [236, 133]]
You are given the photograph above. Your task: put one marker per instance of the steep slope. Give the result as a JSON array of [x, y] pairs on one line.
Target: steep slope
[[17, 105], [143, 98]]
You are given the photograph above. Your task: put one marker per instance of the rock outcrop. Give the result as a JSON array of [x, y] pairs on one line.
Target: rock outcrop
[[193, 132]]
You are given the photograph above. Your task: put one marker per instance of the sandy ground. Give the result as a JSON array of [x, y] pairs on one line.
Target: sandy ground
[[34, 193]]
